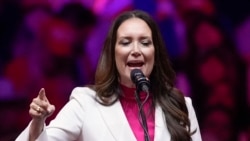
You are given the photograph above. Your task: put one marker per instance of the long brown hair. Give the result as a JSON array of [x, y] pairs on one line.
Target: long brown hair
[[162, 79]]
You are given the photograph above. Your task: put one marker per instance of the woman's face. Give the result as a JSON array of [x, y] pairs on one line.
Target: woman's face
[[134, 49]]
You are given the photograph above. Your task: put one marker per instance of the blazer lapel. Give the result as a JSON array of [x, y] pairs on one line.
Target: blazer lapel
[[161, 131], [116, 122]]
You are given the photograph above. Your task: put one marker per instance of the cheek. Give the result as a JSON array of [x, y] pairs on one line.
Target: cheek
[[149, 53]]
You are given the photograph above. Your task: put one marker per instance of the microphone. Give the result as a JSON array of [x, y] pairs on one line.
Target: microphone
[[142, 84], [140, 81]]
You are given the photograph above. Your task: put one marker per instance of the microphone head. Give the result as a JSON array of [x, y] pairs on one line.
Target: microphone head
[[138, 78]]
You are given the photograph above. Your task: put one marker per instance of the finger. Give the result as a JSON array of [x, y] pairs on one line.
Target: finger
[[42, 95], [36, 115], [40, 102], [42, 107], [45, 97], [38, 109]]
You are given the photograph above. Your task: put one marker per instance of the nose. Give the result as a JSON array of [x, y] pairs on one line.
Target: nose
[[136, 50]]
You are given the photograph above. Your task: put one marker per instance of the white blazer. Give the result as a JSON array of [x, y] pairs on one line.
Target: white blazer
[[83, 119]]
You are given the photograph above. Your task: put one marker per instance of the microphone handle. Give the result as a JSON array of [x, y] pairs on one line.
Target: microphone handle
[[145, 88], [142, 115]]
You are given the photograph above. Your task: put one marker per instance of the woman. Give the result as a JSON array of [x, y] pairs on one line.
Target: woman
[[108, 110]]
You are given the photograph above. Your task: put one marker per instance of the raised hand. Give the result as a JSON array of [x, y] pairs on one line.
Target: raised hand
[[40, 109]]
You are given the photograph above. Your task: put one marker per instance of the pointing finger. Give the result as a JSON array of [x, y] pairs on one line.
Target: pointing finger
[[42, 95]]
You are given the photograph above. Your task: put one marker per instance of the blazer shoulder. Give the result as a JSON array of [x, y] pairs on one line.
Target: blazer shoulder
[[188, 100], [81, 93], [189, 104]]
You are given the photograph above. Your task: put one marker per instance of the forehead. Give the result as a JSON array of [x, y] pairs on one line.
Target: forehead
[[134, 26]]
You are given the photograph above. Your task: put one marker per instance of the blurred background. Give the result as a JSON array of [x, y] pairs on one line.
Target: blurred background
[[55, 44]]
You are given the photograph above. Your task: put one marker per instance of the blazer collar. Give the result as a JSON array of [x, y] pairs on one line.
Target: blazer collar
[[116, 122], [161, 131], [118, 125]]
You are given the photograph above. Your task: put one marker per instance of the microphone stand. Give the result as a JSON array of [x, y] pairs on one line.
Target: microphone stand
[[142, 116]]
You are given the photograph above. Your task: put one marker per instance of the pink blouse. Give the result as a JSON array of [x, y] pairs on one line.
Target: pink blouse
[[131, 111]]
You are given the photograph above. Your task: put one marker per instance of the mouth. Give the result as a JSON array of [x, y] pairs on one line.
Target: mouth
[[135, 63]]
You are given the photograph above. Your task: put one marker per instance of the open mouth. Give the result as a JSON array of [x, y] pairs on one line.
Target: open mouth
[[135, 64]]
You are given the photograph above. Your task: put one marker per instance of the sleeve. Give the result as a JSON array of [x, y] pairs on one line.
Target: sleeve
[[193, 120], [66, 126], [24, 136]]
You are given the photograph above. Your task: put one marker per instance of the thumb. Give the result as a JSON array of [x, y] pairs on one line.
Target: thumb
[[50, 110]]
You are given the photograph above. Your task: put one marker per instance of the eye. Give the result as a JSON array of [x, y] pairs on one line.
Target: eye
[[146, 42], [124, 42]]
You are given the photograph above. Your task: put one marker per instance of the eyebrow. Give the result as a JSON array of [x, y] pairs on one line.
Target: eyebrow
[[145, 37], [129, 37]]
